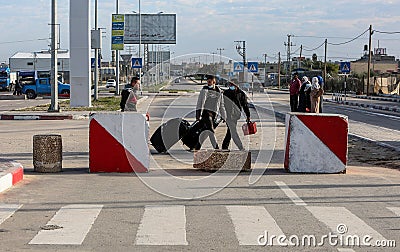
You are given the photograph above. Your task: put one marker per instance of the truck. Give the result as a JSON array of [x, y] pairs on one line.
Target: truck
[[42, 86], [7, 78]]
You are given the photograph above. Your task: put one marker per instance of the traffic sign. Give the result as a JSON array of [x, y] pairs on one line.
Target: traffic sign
[[136, 62], [345, 67], [238, 67], [252, 67]]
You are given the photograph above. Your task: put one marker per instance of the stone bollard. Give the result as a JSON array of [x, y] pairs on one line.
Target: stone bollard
[[47, 153], [219, 160]]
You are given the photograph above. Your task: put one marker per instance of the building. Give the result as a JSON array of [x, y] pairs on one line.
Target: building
[[380, 63]]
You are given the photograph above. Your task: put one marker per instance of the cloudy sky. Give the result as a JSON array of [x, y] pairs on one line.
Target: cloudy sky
[[205, 25]]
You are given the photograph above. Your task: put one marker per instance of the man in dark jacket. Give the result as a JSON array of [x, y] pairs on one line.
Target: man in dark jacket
[[294, 92], [235, 101]]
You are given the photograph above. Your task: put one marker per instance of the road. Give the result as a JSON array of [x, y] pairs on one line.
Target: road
[[76, 210], [378, 125]]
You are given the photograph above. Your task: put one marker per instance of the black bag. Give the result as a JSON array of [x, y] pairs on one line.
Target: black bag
[[191, 139], [169, 133]]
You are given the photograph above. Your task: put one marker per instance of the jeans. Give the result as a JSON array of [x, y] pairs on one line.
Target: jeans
[[232, 133]]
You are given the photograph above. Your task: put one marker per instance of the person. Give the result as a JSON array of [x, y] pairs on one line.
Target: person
[[234, 100], [209, 102], [321, 84], [129, 95], [294, 92], [17, 88], [315, 95], [304, 95]]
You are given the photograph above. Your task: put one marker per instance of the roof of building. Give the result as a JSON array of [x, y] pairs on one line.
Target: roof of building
[[39, 55]]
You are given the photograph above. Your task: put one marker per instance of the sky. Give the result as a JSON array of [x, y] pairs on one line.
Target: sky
[[205, 25]]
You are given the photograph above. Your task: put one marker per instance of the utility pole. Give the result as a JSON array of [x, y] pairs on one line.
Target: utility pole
[[279, 70], [299, 61], [117, 60], [242, 52], [265, 60], [54, 46], [220, 53], [369, 57], [289, 44], [326, 52], [96, 57]]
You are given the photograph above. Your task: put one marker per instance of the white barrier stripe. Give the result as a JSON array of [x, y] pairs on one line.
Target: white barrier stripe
[[7, 210], [26, 117], [345, 250], [69, 226], [5, 182], [251, 222], [341, 219], [162, 225], [395, 210], [289, 192]]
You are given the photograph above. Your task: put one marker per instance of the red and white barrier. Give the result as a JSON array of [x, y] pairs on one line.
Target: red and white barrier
[[118, 142], [316, 143], [10, 174]]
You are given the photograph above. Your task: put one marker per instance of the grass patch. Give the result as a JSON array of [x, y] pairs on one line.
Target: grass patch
[[110, 103]]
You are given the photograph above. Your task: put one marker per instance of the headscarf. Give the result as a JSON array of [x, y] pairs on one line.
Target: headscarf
[[314, 84]]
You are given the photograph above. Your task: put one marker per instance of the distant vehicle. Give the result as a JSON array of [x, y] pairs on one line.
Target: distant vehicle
[[111, 83], [42, 86], [177, 80], [7, 78]]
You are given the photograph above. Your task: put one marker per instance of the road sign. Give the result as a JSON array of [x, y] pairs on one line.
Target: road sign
[[92, 61], [252, 67], [238, 67], [345, 67], [136, 62]]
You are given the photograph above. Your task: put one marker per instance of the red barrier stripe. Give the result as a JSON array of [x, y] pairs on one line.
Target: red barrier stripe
[[331, 130], [17, 175], [106, 154]]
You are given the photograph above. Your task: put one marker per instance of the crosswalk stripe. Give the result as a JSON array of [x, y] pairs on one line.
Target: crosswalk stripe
[[342, 221], [395, 210], [7, 210], [292, 195], [162, 225], [251, 222], [69, 226]]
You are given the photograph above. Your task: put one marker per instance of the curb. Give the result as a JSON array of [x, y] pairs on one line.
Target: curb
[[12, 97], [10, 174], [379, 107], [378, 98], [35, 117]]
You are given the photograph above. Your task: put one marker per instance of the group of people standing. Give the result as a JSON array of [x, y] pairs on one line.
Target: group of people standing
[[305, 96]]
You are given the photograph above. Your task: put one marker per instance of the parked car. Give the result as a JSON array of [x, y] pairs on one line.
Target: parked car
[[111, 83], [42, 86]]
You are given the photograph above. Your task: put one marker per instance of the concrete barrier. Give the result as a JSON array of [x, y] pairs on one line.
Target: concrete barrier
[[118, 142], [316, 143], [218, 160], [10, 174], [47, 153]]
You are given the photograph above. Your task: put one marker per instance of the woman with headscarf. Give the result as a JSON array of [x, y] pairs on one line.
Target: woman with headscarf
[[304, 95], [315, 94]]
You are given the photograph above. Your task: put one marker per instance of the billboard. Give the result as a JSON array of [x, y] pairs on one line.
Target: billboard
[[156, 29], [117, 32]]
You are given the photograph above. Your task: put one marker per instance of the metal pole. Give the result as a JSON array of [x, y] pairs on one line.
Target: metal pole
[[326, 49], [117, 60], [279, 70], [140, 45], [96, 57], [369, 58], [53, 76]]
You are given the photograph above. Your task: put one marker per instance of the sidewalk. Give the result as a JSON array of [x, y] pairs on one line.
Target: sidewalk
[[10, 174]]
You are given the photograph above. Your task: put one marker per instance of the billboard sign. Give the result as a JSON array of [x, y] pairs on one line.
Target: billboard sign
[[156, 29]]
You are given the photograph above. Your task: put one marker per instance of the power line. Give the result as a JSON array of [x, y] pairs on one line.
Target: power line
[[385, 32], [20, 41], [310, 50], [351, 40]]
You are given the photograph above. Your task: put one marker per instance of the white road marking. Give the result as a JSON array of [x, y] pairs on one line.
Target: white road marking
[[395, 210], [345, 250], [71, 225], [7, 210], [292, 195], [350, 224], [252, 221], [162, 225]]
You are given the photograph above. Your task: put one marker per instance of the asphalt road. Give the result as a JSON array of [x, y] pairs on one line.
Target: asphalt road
[[79, 211], [378, 125]]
